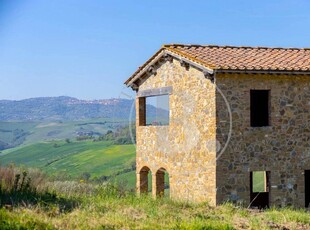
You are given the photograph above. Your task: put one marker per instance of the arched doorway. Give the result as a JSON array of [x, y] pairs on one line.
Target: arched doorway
[[162, 183], [145, 184]]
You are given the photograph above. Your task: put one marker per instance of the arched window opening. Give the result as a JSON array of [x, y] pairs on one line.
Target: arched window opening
[[145, 180], [162, 183]]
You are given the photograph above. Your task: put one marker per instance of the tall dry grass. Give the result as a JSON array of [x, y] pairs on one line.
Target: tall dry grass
[[49, 204], [14, 178]]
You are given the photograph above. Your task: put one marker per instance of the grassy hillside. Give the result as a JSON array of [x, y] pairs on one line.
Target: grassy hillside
[[13, 134], [76, 159], [40, 203]]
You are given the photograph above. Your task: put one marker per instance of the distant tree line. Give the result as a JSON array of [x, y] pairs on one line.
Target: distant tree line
[[120, 136]]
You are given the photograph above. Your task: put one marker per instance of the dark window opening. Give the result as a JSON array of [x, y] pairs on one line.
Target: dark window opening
[[154, 110], [307, 188], [145, 180], [259, 108], [162, 183]]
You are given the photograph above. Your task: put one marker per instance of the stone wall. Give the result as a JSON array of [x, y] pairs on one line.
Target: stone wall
[[209, 147], [283, 148], [185, 148]]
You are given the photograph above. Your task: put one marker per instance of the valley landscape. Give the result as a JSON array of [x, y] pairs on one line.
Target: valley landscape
[[68, 139], [71, 167], [72, 139]]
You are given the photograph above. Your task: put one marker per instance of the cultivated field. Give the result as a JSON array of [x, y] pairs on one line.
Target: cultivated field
[[78, 160]]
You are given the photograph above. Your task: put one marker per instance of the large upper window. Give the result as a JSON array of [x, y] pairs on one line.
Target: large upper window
[[154, 110], [154, 106], [157, 110], [260, 108]]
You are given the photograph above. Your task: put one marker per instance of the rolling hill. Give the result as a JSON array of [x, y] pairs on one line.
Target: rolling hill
[[65, 108], [58, 118], [97, 160], [43, 132], [13, 134]]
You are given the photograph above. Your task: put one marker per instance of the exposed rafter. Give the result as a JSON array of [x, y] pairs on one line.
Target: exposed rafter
[[209, 76]]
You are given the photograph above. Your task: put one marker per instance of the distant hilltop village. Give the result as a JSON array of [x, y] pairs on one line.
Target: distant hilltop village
[[63, 108], [112, 101], [66, 108]]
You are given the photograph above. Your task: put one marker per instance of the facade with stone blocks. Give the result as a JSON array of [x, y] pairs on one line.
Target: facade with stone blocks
[[238, 125]]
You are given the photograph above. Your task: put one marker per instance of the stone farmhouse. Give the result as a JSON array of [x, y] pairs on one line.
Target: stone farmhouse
[[237, 126]]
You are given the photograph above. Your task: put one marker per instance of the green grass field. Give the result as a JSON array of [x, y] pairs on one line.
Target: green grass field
[[47, 204], [75, 158]]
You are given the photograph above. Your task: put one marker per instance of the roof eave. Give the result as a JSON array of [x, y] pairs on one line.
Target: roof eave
[[157, 56], [249, 71]]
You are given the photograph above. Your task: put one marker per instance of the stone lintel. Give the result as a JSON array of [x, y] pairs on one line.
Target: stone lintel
[[155, 92]]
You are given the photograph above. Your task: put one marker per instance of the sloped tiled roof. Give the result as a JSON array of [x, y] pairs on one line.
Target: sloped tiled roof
[[239, 59], [248, 58]]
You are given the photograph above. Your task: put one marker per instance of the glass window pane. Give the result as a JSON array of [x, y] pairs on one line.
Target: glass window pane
[[157, 110]]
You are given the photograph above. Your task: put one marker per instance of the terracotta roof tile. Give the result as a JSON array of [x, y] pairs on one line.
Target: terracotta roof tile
[[242, 58], [247, 58]]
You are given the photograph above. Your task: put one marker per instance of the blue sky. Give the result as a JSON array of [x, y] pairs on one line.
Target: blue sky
[[87, 49]]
